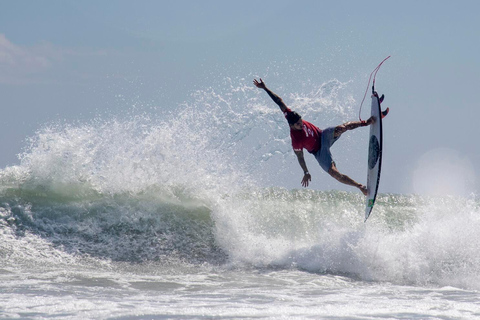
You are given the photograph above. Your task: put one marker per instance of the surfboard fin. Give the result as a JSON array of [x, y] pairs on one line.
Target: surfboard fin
[[385, 112], [381, 98]]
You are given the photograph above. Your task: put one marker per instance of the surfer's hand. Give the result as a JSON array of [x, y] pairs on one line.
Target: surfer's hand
[[306, 179], [260, 85]]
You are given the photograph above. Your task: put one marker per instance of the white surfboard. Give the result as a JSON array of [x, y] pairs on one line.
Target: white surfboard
[[374, 155]]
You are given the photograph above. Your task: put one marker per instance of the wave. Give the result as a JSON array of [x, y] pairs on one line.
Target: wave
[[193, 188], [410, 239]]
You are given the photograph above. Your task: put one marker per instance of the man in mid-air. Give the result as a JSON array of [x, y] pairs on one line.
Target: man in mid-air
[[316, 141]]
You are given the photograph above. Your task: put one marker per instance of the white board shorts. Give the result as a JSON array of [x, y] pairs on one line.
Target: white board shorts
[[324, 156]]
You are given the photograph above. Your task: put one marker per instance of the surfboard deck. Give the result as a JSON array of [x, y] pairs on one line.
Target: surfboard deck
[[374, 155]]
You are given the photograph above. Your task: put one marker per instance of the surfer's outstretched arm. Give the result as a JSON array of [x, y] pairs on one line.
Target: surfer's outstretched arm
[[275, 98]]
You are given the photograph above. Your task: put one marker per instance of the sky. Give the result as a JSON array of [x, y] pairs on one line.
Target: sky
[[72, 60]]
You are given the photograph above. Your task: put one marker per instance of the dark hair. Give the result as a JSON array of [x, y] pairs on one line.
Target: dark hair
[[293, 117]]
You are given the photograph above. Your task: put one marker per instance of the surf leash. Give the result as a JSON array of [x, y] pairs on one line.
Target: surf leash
[[374, 73]]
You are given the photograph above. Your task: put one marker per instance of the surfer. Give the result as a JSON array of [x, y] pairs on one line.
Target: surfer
[[307, 136]]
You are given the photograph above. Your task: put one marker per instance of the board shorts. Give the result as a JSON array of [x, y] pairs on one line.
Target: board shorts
[[323, 156]]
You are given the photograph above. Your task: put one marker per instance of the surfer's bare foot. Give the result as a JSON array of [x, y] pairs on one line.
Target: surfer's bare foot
[[371, 120], [368, 122], [363, 189]]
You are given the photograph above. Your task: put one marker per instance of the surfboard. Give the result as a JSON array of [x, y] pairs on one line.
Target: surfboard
[[374, 154]]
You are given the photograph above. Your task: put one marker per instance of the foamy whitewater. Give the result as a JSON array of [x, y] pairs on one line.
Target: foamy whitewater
[[185, 216]]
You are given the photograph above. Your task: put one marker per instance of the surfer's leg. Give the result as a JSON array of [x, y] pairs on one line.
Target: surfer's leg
[[339, 130], [324, 158], [333, 171]]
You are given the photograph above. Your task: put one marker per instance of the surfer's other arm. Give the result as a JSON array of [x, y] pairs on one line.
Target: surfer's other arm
[[301, 160], [275, 98]]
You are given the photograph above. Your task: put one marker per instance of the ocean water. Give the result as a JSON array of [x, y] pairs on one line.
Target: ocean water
[[182, 217]]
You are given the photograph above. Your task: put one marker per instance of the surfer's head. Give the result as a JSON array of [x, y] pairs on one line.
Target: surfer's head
[[294, 120]]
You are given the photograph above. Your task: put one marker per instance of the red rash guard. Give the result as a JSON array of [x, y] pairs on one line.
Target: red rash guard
[[308, 138]]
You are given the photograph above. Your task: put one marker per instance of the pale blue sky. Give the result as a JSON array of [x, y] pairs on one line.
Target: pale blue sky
[[73, 60]]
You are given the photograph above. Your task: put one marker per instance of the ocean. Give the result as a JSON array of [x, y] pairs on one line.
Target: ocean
[[179, 216]]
